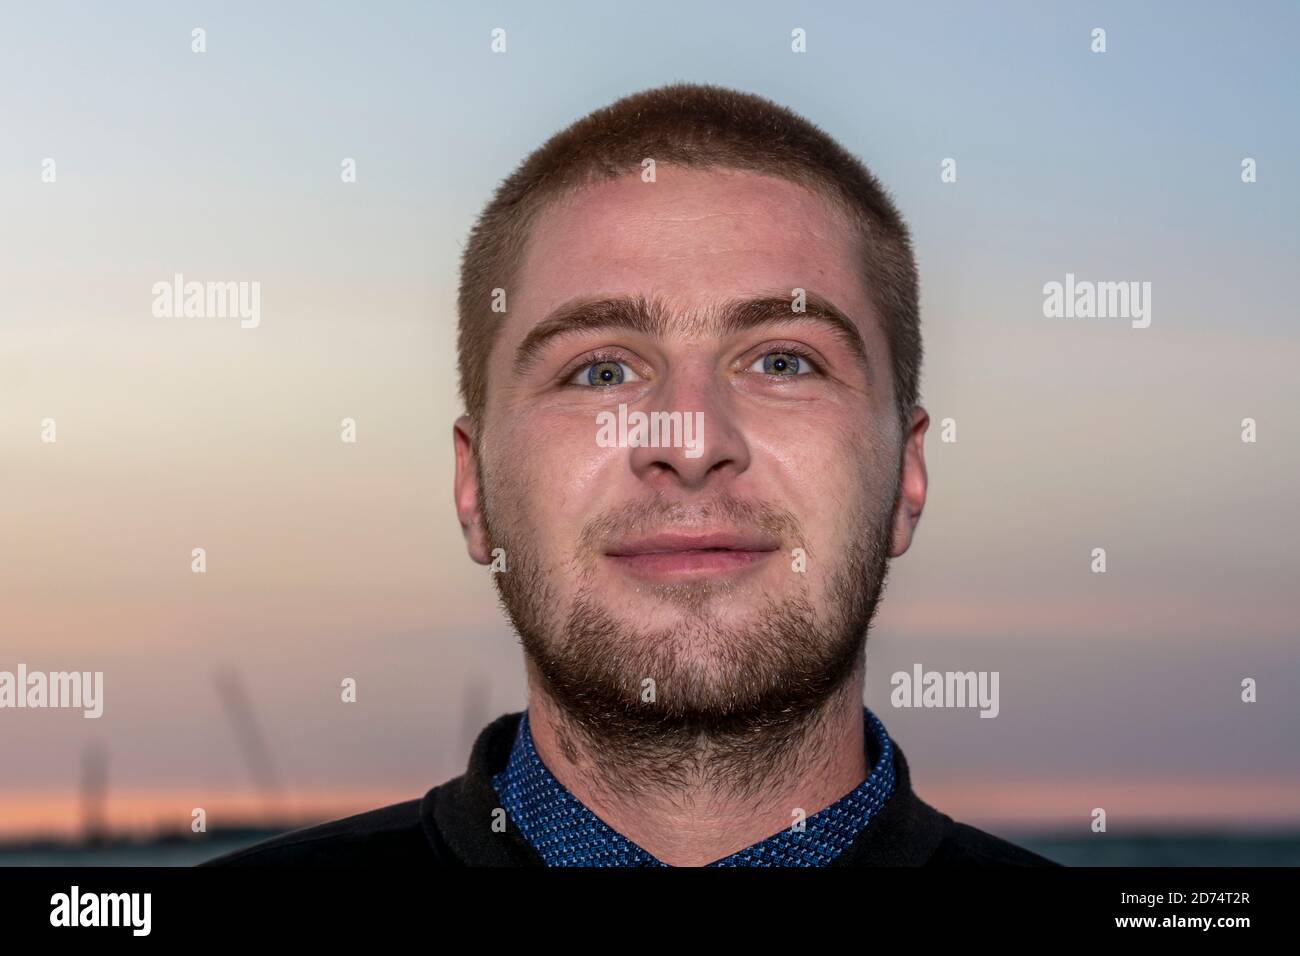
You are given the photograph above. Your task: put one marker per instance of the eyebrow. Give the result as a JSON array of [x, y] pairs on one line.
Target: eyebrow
[[650, 317]]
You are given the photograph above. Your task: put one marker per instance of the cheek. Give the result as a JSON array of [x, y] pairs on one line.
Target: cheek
[[551, 476], [824, 467]]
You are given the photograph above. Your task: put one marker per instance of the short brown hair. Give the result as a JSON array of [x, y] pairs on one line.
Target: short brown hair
[[699, 126]]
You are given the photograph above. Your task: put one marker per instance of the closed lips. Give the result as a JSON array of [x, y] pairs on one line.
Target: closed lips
[[680, 542]]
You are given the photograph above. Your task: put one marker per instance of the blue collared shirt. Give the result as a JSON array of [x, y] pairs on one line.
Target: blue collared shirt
[[564, 832]]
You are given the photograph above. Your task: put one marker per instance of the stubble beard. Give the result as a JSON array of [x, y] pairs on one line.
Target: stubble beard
[[711, 701]]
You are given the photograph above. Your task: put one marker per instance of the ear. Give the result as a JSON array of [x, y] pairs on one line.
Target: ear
[[912, 483], [468, 500]]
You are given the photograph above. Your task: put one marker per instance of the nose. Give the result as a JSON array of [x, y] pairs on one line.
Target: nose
[[700, 439]]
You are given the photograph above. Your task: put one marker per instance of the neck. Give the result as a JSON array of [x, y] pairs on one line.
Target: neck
[[691, 799]]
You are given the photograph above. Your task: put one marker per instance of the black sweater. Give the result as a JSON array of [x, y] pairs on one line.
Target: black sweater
[[452, 826]]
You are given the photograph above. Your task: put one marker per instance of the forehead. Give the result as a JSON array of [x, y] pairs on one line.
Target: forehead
[[693, 237]]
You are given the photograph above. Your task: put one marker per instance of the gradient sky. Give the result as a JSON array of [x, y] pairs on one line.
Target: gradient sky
[[328, 560]]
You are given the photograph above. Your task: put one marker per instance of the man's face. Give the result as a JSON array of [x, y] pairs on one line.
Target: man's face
[[737, 575]]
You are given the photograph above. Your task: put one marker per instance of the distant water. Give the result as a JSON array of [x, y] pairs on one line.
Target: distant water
[[1202, 849], [176, 852], [1098, 850]]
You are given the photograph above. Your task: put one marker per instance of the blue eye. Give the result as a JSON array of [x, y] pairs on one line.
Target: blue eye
[[604, 374], [781, 363]]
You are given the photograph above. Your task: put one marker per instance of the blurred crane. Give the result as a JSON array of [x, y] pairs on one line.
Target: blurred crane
[[251, 740], [94, 792]]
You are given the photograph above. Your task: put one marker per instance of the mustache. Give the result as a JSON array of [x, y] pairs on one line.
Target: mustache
[[658, 514]]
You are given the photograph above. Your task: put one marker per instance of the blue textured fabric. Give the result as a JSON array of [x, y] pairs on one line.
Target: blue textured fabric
[[564, 832]]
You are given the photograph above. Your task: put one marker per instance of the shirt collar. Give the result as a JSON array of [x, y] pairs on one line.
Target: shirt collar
[[564, 832]]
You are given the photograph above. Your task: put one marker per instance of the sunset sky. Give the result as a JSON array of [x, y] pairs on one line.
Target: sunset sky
[[328, 560]]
